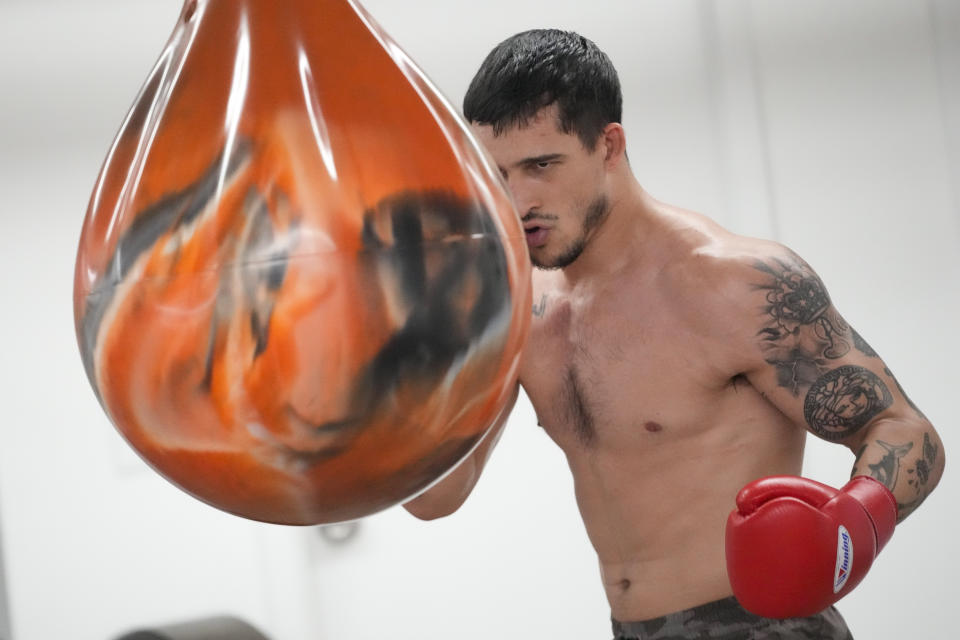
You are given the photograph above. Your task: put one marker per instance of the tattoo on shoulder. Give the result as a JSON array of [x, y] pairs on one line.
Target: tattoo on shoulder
[[540, 307], [843, 400], [795, 299], [794, 295], [801, 330]]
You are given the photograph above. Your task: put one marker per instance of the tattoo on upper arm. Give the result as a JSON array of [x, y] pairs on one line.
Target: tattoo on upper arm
[[796, 299], [802, 332], [795, 370], [862, 346], [801, 336], [843, 400], [887, 371]]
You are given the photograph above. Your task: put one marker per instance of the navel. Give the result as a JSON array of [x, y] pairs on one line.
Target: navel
[[653, 427]]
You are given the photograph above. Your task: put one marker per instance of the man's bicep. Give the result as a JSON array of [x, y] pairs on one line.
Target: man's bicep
[[834, 401], [809, 362]]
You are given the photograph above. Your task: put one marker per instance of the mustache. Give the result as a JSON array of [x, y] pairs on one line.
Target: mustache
[[529, 217]]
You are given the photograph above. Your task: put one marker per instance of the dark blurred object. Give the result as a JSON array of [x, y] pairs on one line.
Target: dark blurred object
[[215, 628]]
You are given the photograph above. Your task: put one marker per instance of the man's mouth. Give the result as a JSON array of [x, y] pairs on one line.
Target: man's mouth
[[536, 235]]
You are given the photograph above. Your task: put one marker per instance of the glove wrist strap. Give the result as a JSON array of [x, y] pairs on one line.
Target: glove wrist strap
[[880, 504]]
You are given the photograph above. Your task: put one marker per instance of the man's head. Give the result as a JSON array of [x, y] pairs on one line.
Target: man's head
[[547, 105], [539, 68]]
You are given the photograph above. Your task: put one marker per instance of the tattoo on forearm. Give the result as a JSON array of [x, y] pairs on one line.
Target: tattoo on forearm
[[856, 460], [906, 508], [919, 476], [843, 400], [919, 471], [887, 470]]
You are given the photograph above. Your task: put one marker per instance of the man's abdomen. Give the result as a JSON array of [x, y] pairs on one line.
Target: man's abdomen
[[656, 512]]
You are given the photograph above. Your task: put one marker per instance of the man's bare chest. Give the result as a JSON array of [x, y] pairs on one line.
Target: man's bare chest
[[600, 373]]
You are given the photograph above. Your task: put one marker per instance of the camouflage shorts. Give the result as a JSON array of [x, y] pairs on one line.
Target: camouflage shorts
[[727, 620]]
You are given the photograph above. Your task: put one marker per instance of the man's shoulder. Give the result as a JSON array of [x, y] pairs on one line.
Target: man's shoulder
[[714, 256], [717, 257], [724, 276]]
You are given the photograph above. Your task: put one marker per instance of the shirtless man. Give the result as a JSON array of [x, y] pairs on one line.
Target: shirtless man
[[676, 363]]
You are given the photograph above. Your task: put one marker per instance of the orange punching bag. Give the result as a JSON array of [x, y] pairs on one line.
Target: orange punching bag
[[300, 290]]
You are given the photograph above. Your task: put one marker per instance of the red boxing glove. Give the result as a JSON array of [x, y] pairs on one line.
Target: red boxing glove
[[795, 546]]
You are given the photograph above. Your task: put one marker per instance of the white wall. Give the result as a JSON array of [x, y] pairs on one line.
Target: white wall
[[93, 541], [862, 185], [831, 126]]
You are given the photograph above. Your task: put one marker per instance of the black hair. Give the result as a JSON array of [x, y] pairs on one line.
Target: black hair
[[534, 69]]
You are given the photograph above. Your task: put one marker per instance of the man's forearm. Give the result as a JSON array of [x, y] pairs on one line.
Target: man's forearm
[[449, 494], [906, 456]]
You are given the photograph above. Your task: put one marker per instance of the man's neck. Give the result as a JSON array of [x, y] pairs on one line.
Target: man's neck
[[618, 242]]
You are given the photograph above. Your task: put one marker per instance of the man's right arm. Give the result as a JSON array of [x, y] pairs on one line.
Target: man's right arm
[[449, 494]]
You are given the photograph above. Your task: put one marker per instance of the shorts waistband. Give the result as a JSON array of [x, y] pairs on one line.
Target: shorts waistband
[[726, 619]]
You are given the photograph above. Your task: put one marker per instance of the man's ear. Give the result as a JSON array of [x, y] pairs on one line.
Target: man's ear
[[614, 143]]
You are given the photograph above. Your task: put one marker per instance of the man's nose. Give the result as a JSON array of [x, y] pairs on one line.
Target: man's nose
[[525, 199]]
